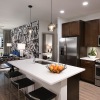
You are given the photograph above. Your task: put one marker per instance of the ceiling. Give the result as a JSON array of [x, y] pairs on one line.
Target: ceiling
[[14, 13]]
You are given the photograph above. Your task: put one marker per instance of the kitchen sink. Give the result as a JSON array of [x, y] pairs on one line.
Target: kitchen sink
[[42, 62]]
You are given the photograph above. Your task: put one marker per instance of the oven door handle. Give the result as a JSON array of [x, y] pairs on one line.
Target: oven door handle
[[97, 65]]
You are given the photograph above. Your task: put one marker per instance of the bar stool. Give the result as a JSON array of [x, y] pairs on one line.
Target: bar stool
[[10, 75], [22, 84], [40, 94]]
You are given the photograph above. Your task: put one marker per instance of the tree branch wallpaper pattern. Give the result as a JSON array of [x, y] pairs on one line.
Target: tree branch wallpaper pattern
[[21, 35]]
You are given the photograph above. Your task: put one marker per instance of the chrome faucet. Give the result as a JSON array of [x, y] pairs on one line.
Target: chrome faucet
[[33, 58]]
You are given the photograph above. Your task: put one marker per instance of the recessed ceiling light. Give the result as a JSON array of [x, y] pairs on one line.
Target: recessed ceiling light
[[85, 3], [62, 11]]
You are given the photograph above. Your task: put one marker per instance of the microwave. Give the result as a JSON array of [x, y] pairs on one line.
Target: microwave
[[98, 40]]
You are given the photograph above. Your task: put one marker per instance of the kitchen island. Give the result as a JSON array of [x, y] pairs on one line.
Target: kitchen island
[[58, 83]]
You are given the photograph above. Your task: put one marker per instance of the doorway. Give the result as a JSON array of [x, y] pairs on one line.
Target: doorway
[[47, 46]]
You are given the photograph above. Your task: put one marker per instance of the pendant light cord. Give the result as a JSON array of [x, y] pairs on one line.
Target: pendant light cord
[[51, 11], [30, 15], [30, 6]]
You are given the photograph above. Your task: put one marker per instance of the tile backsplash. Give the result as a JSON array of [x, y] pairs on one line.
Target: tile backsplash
[[97, 50]]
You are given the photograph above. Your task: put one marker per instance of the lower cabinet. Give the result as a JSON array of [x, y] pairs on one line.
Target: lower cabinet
[[89, 73]]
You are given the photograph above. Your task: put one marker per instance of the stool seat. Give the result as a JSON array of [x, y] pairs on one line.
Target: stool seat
[[22, 83], [7, 66], [41, 94], [13, 74]]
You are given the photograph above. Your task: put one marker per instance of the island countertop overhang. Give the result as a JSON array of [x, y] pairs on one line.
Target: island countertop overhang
[[40, 71]]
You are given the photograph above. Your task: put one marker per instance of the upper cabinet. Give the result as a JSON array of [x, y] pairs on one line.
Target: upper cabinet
[[91, 33], [88, 31], [65, 29], [71, 28], [75, 28]]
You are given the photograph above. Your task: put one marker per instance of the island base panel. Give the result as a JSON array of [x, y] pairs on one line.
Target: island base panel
[[73, 88]]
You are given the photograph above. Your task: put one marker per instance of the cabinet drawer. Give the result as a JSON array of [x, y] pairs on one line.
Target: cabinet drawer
[[85, 63]]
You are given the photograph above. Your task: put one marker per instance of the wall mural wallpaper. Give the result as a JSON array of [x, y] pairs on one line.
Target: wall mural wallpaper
[[21, 35]]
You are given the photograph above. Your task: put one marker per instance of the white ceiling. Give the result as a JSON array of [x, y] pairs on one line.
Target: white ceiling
[[14, 13]]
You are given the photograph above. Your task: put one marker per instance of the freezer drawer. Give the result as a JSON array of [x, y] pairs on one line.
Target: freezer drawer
[[71, 60], [63, 59]]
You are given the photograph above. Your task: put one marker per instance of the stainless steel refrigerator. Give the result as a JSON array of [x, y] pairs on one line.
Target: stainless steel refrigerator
[[69, 50]]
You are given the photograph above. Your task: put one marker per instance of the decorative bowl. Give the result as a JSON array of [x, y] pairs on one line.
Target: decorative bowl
[[92, 57], [56, 68]]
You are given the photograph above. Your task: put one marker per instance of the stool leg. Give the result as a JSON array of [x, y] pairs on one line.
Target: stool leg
[[18, 93], [4, 85], [10, 91], [25, 94]]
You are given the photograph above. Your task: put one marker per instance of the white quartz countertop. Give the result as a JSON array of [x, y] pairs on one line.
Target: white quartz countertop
[[90, 59], [40, 71]]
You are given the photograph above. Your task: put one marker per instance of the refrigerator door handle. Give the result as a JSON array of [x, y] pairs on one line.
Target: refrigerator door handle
[[65, 50]]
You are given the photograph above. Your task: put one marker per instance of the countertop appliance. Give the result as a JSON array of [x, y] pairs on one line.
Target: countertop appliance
[[97, 72], [69, 50]]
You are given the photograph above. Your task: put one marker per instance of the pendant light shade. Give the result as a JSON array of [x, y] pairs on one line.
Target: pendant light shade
[[51, 26], [30, 27]]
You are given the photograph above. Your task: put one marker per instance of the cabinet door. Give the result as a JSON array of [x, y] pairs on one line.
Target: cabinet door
[[89, 73], [91, 33], [65, 29], [74, 28]]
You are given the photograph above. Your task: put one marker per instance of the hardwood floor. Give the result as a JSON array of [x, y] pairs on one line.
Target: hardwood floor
[[4, 92], [87, 91]]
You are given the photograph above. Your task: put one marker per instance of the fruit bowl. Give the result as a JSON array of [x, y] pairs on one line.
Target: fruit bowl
[[56, 68]]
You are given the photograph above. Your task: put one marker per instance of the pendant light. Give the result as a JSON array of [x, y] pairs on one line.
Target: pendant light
[[51, 26], [30, 27]]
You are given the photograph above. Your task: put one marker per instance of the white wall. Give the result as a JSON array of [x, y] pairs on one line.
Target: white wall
[[59, 33], [1, 32], [1, 36], [49, 40], [42, 29], [86, 18]]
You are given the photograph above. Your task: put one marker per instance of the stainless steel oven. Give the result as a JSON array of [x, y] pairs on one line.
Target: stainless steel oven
[[97, 73]]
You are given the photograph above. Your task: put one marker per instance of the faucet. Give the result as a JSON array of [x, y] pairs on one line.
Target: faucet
[[33, 58]]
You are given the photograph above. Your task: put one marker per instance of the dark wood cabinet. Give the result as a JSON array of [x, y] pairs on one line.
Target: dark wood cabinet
[[91, 33], [75, 28], [89, 73], [71, 28], [65, 29]]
